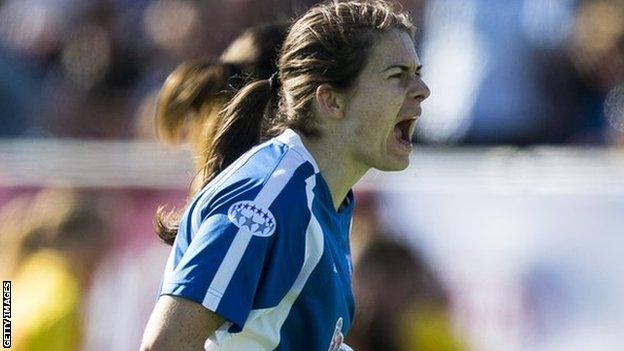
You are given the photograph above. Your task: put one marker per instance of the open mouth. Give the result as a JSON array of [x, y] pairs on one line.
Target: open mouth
[[403, 131]]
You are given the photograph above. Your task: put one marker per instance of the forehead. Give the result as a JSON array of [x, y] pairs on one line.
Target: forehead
[[393, 47]]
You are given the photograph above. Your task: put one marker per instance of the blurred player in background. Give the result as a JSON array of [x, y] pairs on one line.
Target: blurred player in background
[[415, 313], [195, 92], [260, 259], [412, 315], [51, 244]]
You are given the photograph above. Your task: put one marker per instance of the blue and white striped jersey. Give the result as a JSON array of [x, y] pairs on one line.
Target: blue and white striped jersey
[[263, 246]]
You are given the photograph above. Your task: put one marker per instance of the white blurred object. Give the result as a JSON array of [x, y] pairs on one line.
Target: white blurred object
[[482, 63], [121, 298], [453, 53]]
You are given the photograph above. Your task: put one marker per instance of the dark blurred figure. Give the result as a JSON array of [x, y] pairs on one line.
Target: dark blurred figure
[[51, 245], [18, 110], [596, 49], [400, 303], [30, 37]]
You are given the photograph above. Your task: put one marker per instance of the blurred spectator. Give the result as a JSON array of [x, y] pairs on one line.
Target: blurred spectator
[[365, 227], [400, 304], [51, 245], [122, 294], [518, 71]]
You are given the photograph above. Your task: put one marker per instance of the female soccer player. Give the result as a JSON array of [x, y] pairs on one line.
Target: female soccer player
[[261, 257]]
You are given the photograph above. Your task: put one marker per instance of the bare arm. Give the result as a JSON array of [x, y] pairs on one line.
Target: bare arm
[[179, 324]]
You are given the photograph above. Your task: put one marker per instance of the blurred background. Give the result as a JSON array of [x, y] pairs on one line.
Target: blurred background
[[506, 232]]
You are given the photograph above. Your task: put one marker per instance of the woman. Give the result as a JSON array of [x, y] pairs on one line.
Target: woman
[[261, 256]]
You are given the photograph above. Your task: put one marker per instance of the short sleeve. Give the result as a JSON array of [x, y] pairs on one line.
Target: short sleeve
[[247, 250], [225, 256]]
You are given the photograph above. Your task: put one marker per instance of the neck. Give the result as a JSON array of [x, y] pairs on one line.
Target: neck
[[339, 170]]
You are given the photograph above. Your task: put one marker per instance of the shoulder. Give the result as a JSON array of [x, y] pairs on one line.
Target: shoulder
[[268, 181]]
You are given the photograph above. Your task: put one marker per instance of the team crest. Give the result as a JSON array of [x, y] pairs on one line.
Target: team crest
[[337, 338], [253, 218]]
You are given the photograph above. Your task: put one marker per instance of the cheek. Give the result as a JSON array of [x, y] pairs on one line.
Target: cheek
[[377, 109], [362, 130], [365, 113], [390, 100]]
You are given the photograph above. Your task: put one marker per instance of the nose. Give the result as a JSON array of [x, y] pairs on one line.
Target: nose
[[420, 91]]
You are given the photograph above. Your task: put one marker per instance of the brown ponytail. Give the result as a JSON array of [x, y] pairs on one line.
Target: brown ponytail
[[240, 128]]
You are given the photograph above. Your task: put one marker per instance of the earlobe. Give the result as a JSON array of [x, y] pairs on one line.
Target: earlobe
[[330, 102]]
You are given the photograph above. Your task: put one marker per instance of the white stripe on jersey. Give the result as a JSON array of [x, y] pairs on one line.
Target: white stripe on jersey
[[263, 326], [292, 139], [219, 180], [169, 266], [272, 188], [226, 269]]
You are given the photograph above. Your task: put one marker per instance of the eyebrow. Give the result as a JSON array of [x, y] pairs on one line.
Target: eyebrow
[[402, 67]]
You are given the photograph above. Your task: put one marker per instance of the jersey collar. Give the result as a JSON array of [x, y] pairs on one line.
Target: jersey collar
[[292, 139]]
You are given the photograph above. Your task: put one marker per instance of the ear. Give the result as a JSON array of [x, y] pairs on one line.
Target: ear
[[330, 102]]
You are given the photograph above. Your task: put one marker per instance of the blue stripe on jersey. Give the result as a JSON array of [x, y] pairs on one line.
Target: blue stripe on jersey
[[333, 298]]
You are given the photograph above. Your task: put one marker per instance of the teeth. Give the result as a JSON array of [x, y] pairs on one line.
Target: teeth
[[412, 127]]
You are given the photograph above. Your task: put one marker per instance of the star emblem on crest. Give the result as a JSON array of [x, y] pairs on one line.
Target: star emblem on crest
[[252, 217]]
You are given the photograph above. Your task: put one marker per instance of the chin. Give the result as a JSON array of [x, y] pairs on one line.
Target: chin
[[394, 165]]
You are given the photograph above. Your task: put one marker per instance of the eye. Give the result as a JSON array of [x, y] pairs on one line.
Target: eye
[[398, 75]]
